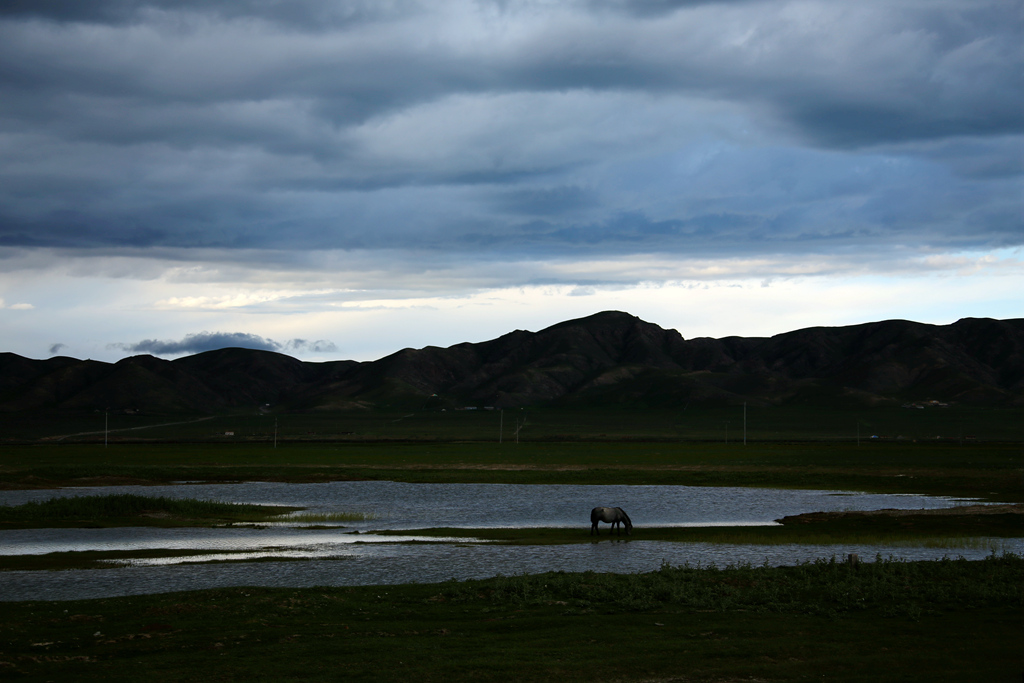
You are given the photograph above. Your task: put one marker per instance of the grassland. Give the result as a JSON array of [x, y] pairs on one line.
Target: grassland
[[934, 621], [952, 451], [885, 621]]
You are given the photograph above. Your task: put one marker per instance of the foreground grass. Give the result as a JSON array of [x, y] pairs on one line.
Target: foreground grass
[[928, 621], [127, 509]]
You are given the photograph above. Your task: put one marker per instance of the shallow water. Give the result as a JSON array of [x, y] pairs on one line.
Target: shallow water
[[399, 505], [334, 556]]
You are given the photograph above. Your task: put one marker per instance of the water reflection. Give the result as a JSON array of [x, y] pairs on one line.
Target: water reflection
[[375, 564], [336, 556], [313, 542]]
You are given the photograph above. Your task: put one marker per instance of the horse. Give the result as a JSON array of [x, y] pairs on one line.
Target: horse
[[614, 516]]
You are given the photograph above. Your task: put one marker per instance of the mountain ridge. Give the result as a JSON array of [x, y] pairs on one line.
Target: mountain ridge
[[610, 357]]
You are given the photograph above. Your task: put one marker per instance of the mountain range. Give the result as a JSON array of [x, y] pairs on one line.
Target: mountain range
[[605, 359]]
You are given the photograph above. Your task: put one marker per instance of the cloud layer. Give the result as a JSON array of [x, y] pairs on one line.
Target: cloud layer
[[301, 157]]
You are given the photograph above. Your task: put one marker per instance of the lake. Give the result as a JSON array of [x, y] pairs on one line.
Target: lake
[[335, 556]]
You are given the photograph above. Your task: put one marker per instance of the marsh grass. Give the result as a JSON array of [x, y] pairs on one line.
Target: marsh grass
[[124, 508], [304, 517]]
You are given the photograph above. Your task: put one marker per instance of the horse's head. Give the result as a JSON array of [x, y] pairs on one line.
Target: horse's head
[[627, 521]]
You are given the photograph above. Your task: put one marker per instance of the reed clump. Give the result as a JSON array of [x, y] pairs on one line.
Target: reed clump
[[109, 508]]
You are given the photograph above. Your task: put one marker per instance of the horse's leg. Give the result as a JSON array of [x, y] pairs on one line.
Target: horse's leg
[[593, 529]]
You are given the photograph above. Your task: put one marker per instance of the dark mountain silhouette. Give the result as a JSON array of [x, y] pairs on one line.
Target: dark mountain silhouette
[[607, 358]]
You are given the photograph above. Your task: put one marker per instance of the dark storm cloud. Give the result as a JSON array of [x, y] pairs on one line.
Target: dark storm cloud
[[972, 159], [596, 126], [211, 341], [306, 13], [858, 93], [961, 78]]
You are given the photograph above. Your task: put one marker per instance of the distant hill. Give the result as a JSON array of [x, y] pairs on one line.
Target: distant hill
[[610, 358]]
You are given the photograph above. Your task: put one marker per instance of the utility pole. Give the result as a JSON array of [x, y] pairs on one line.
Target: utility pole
[[744, 423], [501, 425], [275, 432], [106, 426]]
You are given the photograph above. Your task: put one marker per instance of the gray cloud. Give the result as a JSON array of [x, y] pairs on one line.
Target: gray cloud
[[306, 345], [199, 342], [57, 348], [546, 201], [210, 341]]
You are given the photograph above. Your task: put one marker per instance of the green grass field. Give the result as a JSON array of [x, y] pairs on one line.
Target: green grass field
[[683, 423], [987, 471]]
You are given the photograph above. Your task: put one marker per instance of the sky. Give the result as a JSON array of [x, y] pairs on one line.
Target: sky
[[341, 180]]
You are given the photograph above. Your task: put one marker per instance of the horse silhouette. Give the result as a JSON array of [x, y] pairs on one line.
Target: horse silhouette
[[614, 516]]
